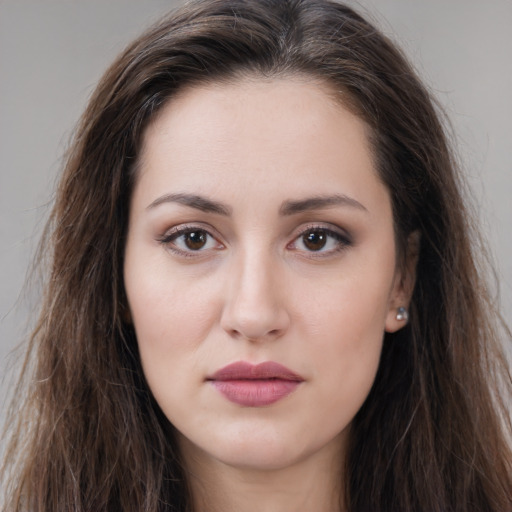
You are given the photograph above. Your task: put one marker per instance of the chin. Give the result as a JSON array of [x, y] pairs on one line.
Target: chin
[[262, 451], [257, 458]]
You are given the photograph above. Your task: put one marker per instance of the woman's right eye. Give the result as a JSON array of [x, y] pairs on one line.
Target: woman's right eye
[[188, 240]]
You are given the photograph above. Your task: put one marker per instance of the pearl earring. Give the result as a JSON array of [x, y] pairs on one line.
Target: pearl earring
[[402, 315]]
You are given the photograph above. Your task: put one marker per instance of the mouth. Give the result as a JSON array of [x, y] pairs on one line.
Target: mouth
[[251, 385]]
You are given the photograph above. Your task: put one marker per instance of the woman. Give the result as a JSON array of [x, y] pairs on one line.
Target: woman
[[263, 294]]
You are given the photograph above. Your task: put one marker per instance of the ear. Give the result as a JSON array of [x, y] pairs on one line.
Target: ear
[[403, 286]]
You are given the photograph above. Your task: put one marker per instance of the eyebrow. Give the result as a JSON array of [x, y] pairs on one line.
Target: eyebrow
[[193, 201], [318, 203], [287, 208]]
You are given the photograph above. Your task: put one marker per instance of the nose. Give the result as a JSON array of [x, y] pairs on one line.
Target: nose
[[255, 303]]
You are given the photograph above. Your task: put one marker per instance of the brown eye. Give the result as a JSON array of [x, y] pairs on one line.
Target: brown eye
[[314, 240], [188, 240], [195, 240], [320, 241]]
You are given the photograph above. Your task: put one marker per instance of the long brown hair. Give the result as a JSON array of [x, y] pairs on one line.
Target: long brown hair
[[434, 433]]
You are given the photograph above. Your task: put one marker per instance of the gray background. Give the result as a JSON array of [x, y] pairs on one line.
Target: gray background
[[53, 52]]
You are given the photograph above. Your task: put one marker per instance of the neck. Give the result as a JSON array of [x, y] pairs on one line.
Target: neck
[[314, 483]]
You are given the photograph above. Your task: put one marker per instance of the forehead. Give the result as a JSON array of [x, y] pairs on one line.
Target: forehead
[[270, 136], [279, 102]]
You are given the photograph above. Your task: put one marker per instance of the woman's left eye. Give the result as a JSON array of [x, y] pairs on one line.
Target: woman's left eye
[[320, 240]]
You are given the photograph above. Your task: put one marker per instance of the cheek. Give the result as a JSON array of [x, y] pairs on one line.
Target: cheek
[[346, 331], [171, 320], [350, 313], [350, 345], [166, 305]]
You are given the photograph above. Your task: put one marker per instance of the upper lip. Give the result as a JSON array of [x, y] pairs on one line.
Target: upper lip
[[243, 370]]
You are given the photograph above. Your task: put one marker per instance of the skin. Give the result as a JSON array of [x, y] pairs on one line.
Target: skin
[[255, 291]]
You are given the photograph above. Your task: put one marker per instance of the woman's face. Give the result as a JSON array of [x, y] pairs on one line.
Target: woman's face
[[260, 232]]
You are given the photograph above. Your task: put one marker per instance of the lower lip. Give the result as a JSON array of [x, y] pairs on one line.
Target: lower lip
[[255, 393]]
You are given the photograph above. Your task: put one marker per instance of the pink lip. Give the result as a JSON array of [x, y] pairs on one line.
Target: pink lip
[[255, 385]]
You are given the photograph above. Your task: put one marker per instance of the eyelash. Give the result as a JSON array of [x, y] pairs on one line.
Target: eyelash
[[171, 236], [342, 241]]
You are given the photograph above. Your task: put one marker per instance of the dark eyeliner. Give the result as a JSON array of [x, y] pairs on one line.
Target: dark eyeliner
[[343, 240], [169, 237]]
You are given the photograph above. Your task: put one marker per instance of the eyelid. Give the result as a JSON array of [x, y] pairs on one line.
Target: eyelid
[[344, 238], [175, 232], [179, 229], [322, 226]]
